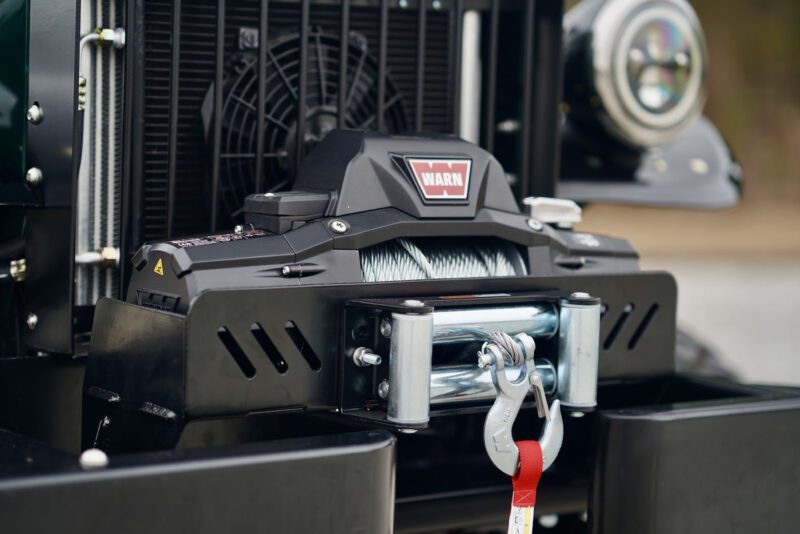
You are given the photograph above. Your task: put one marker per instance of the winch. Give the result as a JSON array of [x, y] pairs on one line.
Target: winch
[[366, 292]]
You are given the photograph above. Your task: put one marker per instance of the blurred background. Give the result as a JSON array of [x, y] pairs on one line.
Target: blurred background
[[738, 270]]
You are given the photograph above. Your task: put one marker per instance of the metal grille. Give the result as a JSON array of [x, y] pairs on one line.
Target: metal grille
[[186, 47]]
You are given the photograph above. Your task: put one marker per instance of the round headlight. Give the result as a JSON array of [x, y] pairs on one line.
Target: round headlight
[[649, 59]]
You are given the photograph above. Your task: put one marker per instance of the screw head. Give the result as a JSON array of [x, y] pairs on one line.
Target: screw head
[[34, 175], [286, 271], [32, 321], [414, 303], [35, 114], [338, 226], [238, 229], [383, 389], [93, 459], [535, 225], [386, 328]]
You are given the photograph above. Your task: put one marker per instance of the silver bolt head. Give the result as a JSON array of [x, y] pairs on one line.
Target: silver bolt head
[[414, 303], [93, 459], [34, 175], [238, 229], [32, 321], [35, 114], [580, 295], [338, 226], [383, 389], [286, 270], [535, 225], [386, 328]]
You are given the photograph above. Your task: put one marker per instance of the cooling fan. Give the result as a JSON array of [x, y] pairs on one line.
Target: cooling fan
[[240, 108]]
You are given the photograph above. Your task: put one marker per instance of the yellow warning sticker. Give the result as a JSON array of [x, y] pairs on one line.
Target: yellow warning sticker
[[159, 268]]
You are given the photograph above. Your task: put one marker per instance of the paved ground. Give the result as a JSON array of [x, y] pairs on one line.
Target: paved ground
[[746, 309], [738, 274]]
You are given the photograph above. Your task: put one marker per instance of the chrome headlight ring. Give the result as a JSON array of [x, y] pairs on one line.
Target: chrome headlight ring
[[648, 31]]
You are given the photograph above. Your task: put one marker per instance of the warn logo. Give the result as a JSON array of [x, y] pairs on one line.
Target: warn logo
[[441, 179]]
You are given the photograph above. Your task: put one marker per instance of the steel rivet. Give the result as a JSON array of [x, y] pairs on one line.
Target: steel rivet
[[32, 321], [660, 164], [699, 166], [34, 175], [338, 226], [35, 114], [383, 389], [386, 328]]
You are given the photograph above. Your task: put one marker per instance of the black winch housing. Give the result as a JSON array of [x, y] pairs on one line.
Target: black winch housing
[[255, 321]]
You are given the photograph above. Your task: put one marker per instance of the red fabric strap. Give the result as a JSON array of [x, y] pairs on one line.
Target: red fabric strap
[[530, 470]]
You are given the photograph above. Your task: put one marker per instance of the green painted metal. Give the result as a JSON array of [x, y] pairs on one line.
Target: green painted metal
[[13, 88]]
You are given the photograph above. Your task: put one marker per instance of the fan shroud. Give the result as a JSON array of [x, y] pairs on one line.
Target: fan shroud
[[240, 109]]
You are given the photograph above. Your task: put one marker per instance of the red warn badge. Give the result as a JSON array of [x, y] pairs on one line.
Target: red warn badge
[[441, 179]]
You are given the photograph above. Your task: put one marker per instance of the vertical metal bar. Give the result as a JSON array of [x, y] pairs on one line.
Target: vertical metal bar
[[455, 65], [382, 40], [344, 39], [491, 77], [527, 99], [420, 100], [219, 59], [547, 80], [131, 190], [303, 89], [174, 82], [261, 107]]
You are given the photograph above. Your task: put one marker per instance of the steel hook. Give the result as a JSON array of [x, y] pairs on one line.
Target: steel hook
[[511, 393]]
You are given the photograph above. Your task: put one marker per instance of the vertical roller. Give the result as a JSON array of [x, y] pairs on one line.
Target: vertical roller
[[578, 352], [410, 368]]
